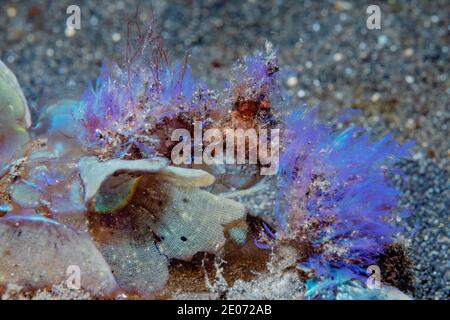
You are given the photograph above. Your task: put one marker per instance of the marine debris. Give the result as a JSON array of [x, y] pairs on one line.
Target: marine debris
[[92, 184]]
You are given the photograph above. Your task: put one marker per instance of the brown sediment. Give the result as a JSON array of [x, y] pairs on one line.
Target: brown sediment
[[243, 262], [396, 267], [188, 276], [246, 109]]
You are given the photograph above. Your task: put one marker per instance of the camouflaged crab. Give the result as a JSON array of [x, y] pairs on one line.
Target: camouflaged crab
[[91, 184]]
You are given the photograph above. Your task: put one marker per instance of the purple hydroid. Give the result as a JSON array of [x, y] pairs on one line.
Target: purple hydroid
[[121, 110], [256, 78], [335, 192], [115, 112], [255, 75]]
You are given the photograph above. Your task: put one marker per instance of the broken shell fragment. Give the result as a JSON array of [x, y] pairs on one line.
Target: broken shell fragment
[[187, 177], [41, 180], [239, 233], [94, 172], [26, 195], [12, 139], [184, 219], [189, 220], [58, 118], [13, 106], [57, 123], [138, 266], [29, 243], [130, 251], [140, 223], [115, 193]]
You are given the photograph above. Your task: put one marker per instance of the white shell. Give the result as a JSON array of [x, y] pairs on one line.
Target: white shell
[[37, 252], [12, 99], [93, 172]]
